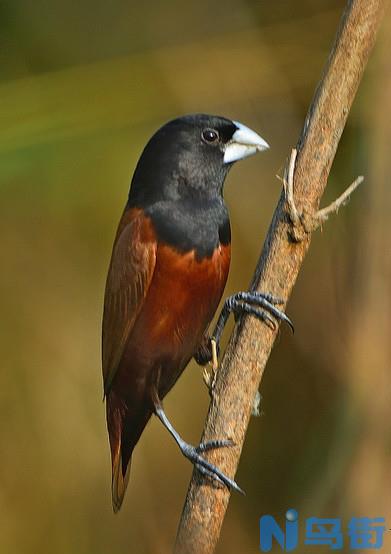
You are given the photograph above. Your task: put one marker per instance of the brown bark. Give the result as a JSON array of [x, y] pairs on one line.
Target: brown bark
[[279, 264]]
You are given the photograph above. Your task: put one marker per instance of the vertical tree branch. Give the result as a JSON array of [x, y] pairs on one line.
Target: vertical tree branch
[[250, 345]]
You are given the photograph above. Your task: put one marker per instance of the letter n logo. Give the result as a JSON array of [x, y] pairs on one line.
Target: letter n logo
[[269, 530]]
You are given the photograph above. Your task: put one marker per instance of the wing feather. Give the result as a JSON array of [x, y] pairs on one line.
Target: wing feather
[[130, 273]]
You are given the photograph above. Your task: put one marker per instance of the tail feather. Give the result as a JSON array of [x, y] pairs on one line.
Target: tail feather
[[120, 461], [119, 481], [124, 427]]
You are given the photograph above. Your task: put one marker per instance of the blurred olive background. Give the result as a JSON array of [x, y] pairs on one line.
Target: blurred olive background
[[82, 88]]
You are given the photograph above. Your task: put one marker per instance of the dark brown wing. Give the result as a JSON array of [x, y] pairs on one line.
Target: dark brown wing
[[130, 274]]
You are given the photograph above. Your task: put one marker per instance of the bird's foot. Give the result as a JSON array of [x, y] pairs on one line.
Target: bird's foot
[[261, 305], [192, 453]]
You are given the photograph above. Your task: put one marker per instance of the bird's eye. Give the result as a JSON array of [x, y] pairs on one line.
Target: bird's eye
[[210, 136]]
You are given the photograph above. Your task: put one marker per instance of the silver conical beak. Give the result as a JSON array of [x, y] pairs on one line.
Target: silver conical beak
[[244, 143]]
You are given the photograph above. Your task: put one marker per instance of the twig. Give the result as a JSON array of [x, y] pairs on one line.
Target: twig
[[249, 348], [306, 222], [288, 189], [323, 214]]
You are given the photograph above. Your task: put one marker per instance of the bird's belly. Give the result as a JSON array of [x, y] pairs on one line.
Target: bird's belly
[[181, 301]]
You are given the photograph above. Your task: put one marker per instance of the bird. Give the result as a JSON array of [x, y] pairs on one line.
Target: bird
[[167, 273]]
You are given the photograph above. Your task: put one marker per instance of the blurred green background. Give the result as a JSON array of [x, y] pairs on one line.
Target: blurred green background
[[82, 88]]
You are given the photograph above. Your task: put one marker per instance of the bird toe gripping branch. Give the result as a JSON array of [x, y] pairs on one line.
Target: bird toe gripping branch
[[255, 303]]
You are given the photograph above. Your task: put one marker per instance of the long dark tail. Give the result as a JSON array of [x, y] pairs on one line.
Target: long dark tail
[[125, 427]]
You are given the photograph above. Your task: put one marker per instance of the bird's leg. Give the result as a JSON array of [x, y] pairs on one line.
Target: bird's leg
[[193, 453], [261, 305]]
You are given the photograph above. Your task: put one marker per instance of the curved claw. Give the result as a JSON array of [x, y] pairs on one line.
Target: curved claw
[[246, 308], [222, 479], [268, 320], [283, 317], [209, 474], [266, 301]]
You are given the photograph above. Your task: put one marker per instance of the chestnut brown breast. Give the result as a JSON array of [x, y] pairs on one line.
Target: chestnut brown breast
[[182, 298]]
